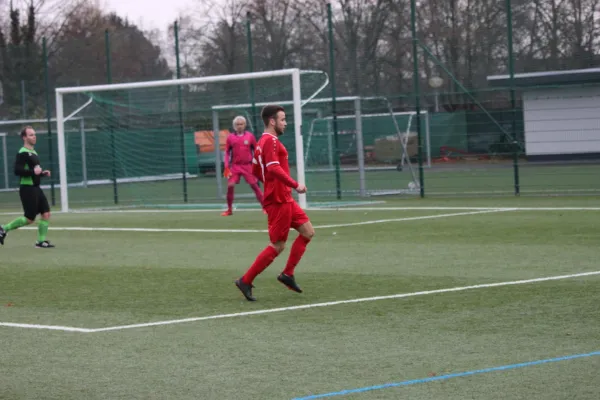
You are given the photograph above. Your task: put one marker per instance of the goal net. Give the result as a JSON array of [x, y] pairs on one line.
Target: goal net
[[377, 146], [161, 143], [376, 149], [11, 142]]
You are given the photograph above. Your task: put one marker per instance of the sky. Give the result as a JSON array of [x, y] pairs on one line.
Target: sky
[[149, 14]]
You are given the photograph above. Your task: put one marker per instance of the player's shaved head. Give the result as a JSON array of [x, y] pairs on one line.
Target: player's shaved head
[[270, 112]]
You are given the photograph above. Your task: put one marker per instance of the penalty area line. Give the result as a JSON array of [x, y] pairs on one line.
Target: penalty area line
[[326, 209], [341, 302], [159, 230], [46, 327], [421, 217], [198, 230], [433, 208], [300, 307]]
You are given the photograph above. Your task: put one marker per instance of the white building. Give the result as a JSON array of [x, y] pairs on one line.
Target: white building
[[561, 112]]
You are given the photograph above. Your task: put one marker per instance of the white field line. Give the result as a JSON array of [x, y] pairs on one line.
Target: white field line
[[327, 209], [383, 221], [304, 306], [197, 230], [433, 208], [160, 230], [46, 327]]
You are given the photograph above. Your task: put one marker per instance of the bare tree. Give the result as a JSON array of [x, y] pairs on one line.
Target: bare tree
[[582, 25], [222, 47], [277, 32], [359, 29], [396, 54], [80, 55], [191, 38]]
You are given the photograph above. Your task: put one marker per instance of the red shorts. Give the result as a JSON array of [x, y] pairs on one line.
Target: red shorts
[[237, 171], [282, 217]]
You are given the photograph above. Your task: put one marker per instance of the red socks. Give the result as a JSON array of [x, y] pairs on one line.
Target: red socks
[[264, 259], [296, 254], [230, 197]]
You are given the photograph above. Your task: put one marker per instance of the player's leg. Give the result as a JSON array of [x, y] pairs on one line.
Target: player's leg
[[44, 210], [279, 217], [302, 224], [29, 203], [231, 182], [253, 182]]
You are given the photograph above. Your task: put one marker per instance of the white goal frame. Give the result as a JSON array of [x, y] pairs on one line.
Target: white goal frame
[[358, 116], [293, 73]]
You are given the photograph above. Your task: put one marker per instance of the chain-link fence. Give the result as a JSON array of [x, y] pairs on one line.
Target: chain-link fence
[[451, 98]]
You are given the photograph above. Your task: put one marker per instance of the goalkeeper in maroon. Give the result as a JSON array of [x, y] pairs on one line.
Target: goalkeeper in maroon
[[271, 166], [238, 162]]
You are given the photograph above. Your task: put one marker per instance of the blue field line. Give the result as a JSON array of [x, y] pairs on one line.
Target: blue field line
[[449, 376]]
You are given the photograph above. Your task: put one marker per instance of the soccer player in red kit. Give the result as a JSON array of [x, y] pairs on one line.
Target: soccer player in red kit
[[270, 164], [238, 162]]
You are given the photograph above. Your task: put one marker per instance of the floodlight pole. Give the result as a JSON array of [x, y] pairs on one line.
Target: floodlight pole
[[251, 69], [48, 119], [336, 146], [513, 106], [180, 113], [360, 148], [413, 28], [113, 147]]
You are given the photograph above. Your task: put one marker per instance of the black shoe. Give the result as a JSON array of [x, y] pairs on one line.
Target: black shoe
[[290, 282], [44, 245], [2, 235], [246, 289]]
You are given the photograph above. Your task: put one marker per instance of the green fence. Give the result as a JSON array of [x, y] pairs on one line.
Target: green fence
[[477, 133]]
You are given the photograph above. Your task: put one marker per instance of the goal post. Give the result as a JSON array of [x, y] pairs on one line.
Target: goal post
[[153, 119], [364, 123]]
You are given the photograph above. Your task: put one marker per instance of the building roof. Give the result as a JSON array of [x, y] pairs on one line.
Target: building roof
[[567, 77]]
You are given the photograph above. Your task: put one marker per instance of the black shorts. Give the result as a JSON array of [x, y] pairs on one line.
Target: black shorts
[[34, 201]]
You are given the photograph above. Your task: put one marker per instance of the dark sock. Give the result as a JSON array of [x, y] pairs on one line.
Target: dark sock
[[230, 190]]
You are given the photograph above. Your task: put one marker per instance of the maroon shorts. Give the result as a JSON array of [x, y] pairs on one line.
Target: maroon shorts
[[282, 217], [237, 171]]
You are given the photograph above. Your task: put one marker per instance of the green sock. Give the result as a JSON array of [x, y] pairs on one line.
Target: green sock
[[16, 224], [42, 230]]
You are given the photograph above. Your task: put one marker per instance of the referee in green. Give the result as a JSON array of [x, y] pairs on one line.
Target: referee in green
[[27, 167]]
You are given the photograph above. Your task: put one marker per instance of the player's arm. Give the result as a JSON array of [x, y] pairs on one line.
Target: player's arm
[[252, 144], [226, 171], [280, 175], [227, 152], [257, 170], [21, 163], [272, 165]]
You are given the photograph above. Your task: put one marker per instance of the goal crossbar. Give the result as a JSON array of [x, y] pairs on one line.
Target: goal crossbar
[[293, 73], [283, 103], [181, 81]]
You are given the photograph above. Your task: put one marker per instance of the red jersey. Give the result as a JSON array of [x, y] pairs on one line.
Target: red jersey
[[270, 153], [239, 149]]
